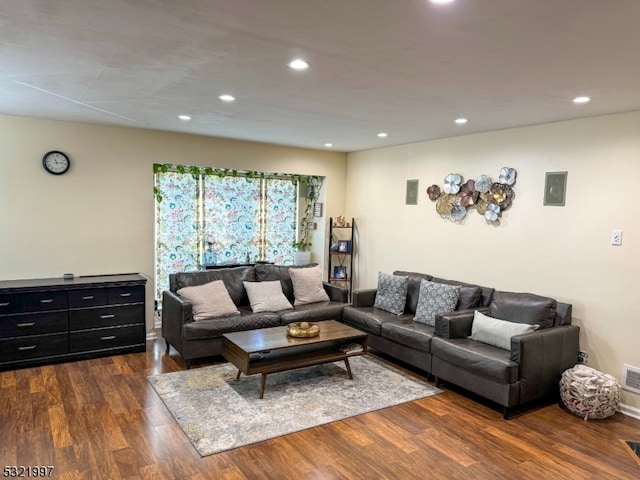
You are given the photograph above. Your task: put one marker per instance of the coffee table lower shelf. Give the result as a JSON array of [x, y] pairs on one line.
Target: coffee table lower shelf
[[291, 355]]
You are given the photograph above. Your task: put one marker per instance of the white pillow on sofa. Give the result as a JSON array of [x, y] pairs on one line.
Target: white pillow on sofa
[[307, 285], [266, 296], [497, 332], [210, 300]]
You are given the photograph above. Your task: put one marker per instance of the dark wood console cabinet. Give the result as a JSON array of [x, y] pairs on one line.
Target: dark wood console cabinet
[[48, 320]]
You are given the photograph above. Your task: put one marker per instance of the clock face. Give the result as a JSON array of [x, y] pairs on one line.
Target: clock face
[[56, 162]]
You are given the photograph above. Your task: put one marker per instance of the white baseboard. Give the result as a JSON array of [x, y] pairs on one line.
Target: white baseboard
[[629, 410], [151, 335]]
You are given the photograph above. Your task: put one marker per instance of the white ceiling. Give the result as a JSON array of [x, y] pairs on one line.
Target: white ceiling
[[405, 67]]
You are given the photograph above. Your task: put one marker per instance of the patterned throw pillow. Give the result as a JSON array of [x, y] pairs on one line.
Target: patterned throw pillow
[[435, 298], [392, 293]]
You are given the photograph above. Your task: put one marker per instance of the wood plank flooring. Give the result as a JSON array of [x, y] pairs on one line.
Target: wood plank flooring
[[100, 419]]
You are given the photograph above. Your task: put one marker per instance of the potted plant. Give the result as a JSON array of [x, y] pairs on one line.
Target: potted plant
[[302, 255]]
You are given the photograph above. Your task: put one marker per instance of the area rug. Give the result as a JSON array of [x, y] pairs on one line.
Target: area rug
[[218, 412]]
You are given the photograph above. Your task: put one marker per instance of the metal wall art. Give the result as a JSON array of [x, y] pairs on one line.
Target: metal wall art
[[489, 198]]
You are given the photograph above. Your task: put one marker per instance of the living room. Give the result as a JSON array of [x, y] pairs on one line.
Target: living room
[[99, 219]]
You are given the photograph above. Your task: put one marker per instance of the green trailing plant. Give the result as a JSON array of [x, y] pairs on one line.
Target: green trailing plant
[[312, 184]]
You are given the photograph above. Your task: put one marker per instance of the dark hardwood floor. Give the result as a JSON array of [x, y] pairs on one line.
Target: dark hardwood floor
[[99, 418]]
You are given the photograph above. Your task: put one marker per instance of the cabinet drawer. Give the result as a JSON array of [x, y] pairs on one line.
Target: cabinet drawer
[[131, 294], [33, 324], [97, 317], [23, 348], [32, 302], [105, 338], [90, 297]]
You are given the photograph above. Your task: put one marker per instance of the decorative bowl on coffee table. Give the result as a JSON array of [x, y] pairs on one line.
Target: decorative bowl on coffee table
[[303, 329]]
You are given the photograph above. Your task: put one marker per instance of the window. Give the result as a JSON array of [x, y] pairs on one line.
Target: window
[[236, 215]]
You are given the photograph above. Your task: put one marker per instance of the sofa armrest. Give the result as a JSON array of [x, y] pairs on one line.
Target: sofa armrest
[[336, 293], [364, 298], [542, 356], [455, 324], [176, 311]]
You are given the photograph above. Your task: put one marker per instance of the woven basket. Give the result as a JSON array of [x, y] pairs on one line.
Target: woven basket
[[589, 393]]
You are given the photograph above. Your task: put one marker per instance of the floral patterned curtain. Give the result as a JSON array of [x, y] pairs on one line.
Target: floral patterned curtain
[[242, 217], [177, 238]]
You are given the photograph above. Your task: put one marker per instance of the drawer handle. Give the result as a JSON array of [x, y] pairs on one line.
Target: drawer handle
[[30, 347], [4, 304], [110, 337], [88, 297], [107, 316], [47, 300], [27, 324], [125, 294]]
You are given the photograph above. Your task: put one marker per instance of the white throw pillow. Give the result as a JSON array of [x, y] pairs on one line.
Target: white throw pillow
[[210, 300], [307, 285], [266, 296], [497, 332]]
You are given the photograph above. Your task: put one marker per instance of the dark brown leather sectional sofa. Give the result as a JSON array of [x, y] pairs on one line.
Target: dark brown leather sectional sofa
[[203, 338], [530, 370]]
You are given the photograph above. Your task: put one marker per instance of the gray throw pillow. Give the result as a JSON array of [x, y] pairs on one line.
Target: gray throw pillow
[[266, 296], [211, 300], [392, 293], [498, 333], [435, 298]]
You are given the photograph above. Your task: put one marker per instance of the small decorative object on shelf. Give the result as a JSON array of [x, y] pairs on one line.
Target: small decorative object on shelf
[[341, 222], [340, 272], [344, 246], [303, 329], [351, 348]]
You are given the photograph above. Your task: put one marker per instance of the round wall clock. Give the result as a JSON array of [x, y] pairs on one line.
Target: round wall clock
[[56, 162]]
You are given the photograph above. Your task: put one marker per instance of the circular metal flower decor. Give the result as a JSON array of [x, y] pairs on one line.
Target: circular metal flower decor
[[434, 192], [502, 195], [489, 198]]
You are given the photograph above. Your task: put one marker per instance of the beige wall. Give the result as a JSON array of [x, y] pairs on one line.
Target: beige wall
[[563, 252], [99, 217]]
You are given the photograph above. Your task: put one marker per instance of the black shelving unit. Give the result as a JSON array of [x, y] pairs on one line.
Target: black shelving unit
[[341, 254]]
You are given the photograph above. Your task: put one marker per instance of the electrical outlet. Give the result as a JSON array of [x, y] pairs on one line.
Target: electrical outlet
[[616, 237], [582, 356]]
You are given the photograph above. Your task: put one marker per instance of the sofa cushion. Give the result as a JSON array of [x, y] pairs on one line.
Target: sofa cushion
[[210, 300], [413, 288], [523, 308], [435, 298], [307, 285], [370, 319], [313, 312], [266, 296], [392, 293], [213, 328], [409, 333], [268, 272], [496, 332], [232, 278], [476, 357]]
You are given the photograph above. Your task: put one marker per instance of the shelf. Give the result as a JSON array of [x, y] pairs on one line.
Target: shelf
[[339, 279], [339, 253], [341, 262]]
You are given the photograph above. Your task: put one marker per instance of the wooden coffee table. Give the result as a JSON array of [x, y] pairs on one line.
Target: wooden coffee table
[[270, 350]]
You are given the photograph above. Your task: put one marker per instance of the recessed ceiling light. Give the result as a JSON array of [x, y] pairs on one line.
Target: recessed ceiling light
[[581, 100], [227, 98], [328, 145], [441, 2], [185, 118], [461, 121], [298, 64], [382, 135]]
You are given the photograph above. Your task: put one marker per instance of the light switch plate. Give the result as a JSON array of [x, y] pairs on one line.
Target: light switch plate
[[616, 237]]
